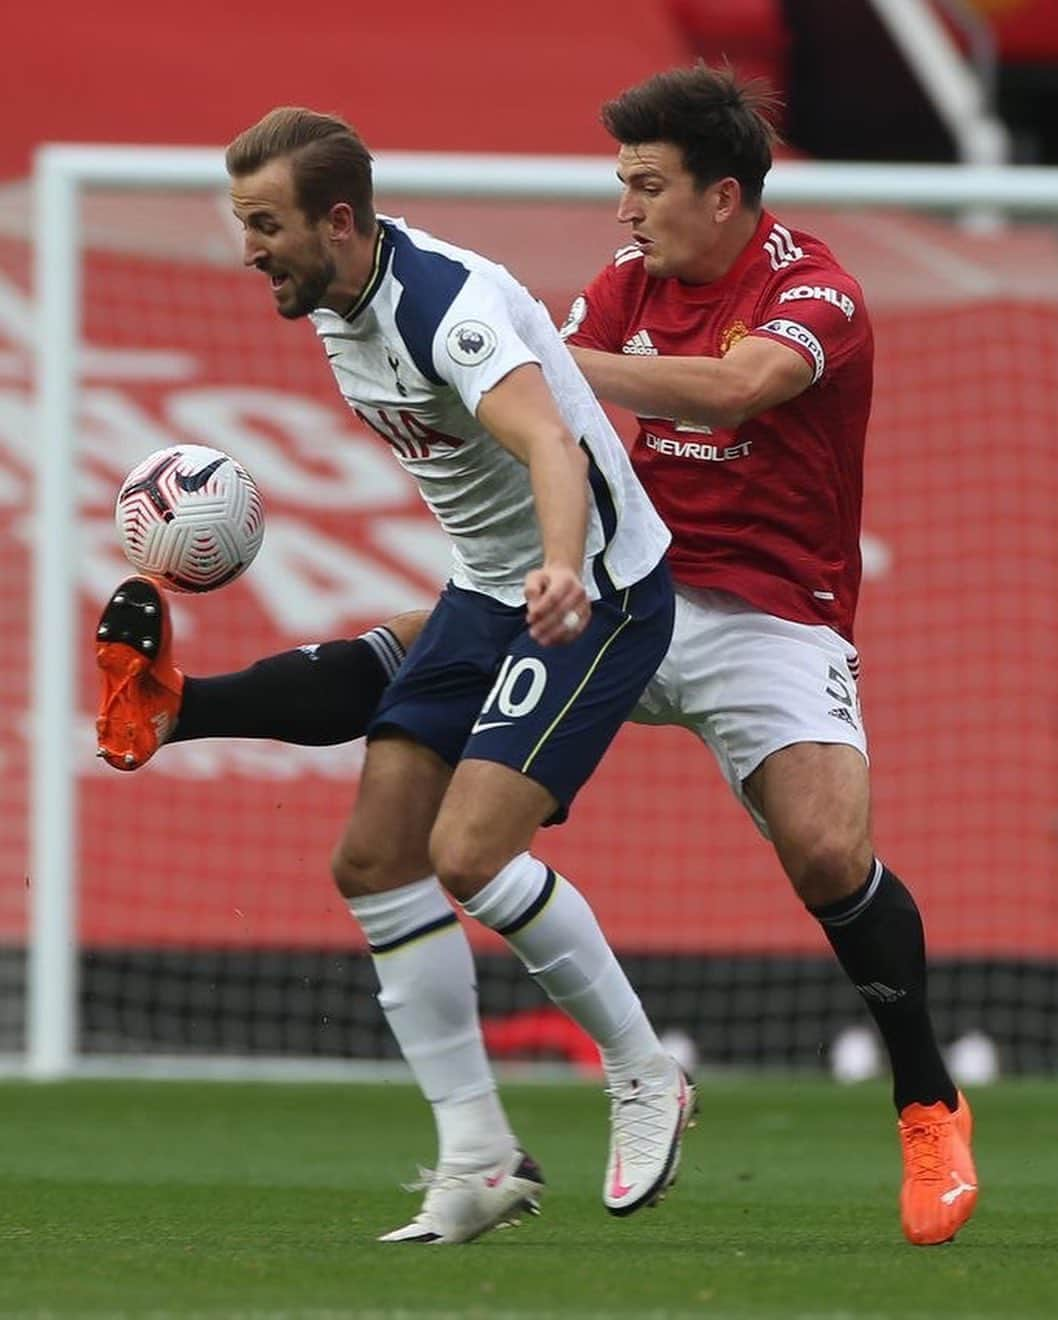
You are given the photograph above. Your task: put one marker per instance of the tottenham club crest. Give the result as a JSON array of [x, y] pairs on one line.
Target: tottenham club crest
[[470, 343]]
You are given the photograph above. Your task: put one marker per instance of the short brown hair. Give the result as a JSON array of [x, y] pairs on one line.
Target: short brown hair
[[721, 126], [330, 164]]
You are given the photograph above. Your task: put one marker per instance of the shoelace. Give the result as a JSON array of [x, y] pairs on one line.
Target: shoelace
[[427, 1180], [432, 1182], [436, 1180], [162, 722], [118, 691], [641, 1122], [924, 1143]]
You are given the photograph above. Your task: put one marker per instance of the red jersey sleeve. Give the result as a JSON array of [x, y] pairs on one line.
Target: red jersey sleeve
[[596, 318], [819, 311]]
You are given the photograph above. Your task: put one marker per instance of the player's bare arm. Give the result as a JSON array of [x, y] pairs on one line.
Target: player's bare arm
[[756, 375], [521, 414]]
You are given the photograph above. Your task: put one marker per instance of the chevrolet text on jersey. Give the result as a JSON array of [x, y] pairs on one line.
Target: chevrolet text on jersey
[[704, 453]]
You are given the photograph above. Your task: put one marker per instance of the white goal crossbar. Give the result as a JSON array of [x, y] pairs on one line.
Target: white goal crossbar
[[61, 173]]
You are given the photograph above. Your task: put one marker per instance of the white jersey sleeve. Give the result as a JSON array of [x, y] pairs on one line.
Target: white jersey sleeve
[[476, 344]]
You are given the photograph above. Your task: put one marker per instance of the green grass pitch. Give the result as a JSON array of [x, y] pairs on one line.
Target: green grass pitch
[[261, 1201]]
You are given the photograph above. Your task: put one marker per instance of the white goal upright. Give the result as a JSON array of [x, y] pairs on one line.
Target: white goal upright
[[183, 914]]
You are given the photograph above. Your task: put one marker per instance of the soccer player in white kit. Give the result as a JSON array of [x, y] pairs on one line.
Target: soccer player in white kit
[[558, 611]]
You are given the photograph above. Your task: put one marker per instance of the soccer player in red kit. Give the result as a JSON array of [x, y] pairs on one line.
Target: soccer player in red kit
[[745, 351]]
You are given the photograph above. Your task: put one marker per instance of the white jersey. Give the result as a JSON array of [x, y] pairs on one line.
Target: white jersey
[[437, 327]]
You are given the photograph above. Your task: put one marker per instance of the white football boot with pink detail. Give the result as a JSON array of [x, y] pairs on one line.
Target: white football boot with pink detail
[[648, 1118], [462, 1204]]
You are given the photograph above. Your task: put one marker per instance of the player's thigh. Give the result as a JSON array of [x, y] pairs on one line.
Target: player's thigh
[[815, 798], [489, 815], [750, 684], [553, 710], [385, 842], [439, 690]]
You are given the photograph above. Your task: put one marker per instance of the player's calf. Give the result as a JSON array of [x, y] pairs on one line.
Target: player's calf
[[141, 689]]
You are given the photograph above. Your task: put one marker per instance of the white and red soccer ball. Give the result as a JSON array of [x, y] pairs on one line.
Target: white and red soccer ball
[[190, 516]]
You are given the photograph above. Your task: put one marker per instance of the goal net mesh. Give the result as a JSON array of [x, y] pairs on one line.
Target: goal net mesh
[[207, 922]]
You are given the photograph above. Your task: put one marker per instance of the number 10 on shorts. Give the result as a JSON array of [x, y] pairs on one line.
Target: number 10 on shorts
[[518, 688]]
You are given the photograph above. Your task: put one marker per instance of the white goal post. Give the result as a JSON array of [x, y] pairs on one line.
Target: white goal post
[[62, 172]]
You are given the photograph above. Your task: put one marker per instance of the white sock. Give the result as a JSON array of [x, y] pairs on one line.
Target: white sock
[[428, 993], [552, 929]]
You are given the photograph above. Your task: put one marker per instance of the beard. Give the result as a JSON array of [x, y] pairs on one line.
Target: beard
[[309, 289]]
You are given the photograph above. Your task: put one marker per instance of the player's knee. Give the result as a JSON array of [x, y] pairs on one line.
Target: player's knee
[[359, 870], [349, 875], [407, 627], [463, 867], [828, 866]]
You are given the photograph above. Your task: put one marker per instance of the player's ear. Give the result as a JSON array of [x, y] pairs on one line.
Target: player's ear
[[728, 198], [340, 224]]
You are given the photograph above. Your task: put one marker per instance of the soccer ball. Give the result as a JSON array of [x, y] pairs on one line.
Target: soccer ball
[[191, 517]]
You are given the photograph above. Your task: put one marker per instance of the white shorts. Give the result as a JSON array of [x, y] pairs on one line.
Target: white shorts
[[748, 683]]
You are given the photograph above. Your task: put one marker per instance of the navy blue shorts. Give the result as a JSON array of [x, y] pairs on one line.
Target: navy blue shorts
[[476, 685]]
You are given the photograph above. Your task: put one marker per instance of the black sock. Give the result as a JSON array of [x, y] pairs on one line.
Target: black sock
[[878, 937], [314, 696]]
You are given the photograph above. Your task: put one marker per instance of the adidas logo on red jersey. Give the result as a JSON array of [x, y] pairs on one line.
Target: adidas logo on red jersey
[[640, 344]]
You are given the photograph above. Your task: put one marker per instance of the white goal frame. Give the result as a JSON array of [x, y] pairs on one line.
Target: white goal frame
[[62, 172]]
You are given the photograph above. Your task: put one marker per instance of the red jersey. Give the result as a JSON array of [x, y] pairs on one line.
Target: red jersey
[[770, 510]]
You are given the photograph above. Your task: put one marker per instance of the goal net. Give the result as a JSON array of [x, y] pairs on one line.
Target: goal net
[[184, 914]]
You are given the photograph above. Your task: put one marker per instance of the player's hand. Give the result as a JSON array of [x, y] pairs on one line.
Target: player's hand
[[557, 606]]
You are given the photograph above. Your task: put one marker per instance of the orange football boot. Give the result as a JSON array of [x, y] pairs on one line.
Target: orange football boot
[[939, 1192], [141, 688]]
